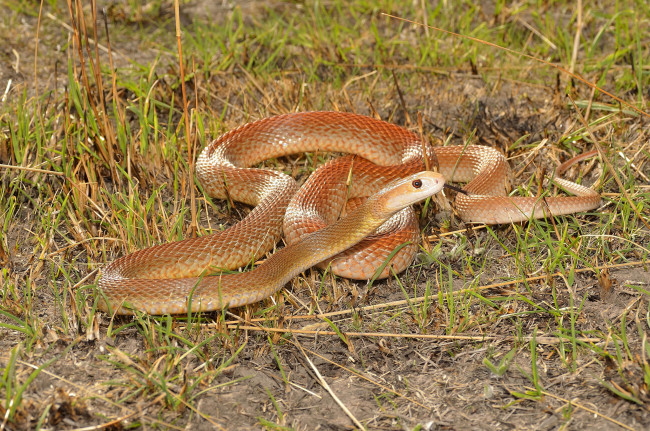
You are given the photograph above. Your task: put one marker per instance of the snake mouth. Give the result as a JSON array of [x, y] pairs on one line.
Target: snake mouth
[[456, 189]]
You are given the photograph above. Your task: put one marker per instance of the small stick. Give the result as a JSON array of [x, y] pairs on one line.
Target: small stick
[[23, 168], [323, 383]]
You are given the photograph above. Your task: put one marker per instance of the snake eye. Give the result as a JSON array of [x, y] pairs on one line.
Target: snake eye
[[417, 184]]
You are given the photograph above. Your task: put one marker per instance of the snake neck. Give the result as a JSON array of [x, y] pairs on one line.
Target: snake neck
[[319, 246]]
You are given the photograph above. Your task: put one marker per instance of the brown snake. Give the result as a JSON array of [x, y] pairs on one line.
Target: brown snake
[[175, 277]]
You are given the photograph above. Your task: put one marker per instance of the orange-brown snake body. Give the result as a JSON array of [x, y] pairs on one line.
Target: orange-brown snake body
[[174, 277]]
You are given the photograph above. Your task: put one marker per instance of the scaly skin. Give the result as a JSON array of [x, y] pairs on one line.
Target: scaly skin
[[206, 293], [167, 278]]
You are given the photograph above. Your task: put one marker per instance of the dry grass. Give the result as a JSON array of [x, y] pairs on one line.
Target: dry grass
[[529, 326]]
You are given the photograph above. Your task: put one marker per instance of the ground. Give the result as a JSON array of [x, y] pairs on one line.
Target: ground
[[537, 325]]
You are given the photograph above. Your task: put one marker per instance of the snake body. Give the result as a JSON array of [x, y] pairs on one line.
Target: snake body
[[177, 277]]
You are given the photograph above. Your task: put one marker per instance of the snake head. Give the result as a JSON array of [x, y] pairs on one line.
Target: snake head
[[407, 191]]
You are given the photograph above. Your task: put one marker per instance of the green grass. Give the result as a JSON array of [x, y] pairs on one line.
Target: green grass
[[120, 180]]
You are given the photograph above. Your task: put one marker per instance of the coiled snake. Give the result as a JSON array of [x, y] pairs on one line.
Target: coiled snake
[[386, 164]]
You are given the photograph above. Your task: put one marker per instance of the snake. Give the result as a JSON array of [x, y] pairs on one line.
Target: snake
[[353, 215]]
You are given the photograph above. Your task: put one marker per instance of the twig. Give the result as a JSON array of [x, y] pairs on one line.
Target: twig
[[71, 30], [576, 39], [186, 117], [535, 32], [24, 168], [323, 383], [539, 340], [401, 99]]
